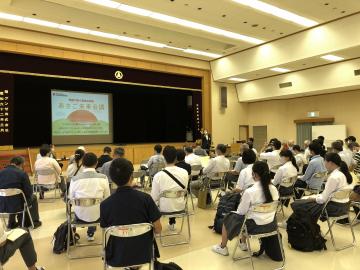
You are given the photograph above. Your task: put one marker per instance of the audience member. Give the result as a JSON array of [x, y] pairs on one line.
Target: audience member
[[13, 176], [250, 142], [75, 167], [291, 144], [52, 151], [156, 161], [180, 157], [119, 152], [356, 158], [128, 206], [72, 158], [198, 150], [233, 175], [299, 157], [246, 179], [191, 158], [163, 181], [307, 154], [321, 140], [89, 184], [273, 157], [337, 147], [105, 157]]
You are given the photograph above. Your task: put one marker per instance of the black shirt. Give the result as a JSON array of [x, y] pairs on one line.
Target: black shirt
[[103, 159], [185, 166], [128, 206]]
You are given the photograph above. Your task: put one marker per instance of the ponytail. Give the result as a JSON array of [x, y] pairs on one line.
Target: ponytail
[[290, 156], [345, 170], [79, 154], [262, 169], [293, 161]]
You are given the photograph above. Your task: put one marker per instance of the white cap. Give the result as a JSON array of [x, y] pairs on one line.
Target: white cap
[[82, 148]]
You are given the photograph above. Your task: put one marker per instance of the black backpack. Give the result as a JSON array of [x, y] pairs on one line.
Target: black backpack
[[227, 203], [271, 247], [166, 266], [304, 232], [60, 238]]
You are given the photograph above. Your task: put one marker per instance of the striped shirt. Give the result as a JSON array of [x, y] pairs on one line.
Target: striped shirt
[[357, 162]]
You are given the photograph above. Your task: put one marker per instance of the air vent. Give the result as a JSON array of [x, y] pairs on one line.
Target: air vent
[[286, 84], [357, 72]]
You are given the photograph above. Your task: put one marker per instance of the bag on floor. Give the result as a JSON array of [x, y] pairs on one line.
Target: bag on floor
[[60, 239], [304, 232], [271, 247], [166, 266], [202, 198], [227, 203]]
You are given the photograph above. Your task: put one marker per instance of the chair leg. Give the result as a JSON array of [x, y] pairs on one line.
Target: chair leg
[[250, 252], [189, 231], [30, 217], [282, 250]]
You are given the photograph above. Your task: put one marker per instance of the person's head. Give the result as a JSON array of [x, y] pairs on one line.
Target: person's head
[[315, 148], [296, 148], [180, 155], [287, 155], [45, 150], [321, 139], [18, 161], [354, 147], [306, 143], [248, 156], [107, 150], [243, 147], [90, 160], [341, 142], [276, 144], [169, 154], [336, 146], [198, 143], [272, 140], [251, 139], [333, 161], [82, 148], [291, 143], [220, 149], [121, 171], [261, 173], [158, 149], [79, 155], [251, 145], [52, 147], [188, 150], [350, 139], [119, 152], [205, 131]]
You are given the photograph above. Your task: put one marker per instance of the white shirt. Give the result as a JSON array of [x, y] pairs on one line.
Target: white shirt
[[307, 155], [216, 165], [163, 182], [346, 156], [45, 165], [285, 171], [254, 195], [335, 182], [245, 179], [272, 158], [71, 170], [300, 161], [89, 184], [255, 151], [193, 160]]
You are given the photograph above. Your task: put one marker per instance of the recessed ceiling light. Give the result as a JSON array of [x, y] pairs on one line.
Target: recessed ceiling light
[[277, 69], [175, 20], [237, 79], [278, 12], [332, 58], [212, 55], [41, 22], [11, 17]]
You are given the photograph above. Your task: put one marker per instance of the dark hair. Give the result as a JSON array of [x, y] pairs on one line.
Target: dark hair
[[289, 154], [336, 159], [119, 151], [221, 147], [315, 147], [351, 138], [90, 160], [18, 160], [180, 155], [107, 149], [272, 140], [189, 149], [276, 144], [353, 145], [248, 156], [262, 169], [158, 148], [169, 154], [321, 138], [297, 147], [45, 149], [250, 144], [251, 139], [120, 171], [79, 154], [337, 146]]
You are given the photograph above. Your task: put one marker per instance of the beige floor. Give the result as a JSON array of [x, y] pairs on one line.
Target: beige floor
[[196, 255]]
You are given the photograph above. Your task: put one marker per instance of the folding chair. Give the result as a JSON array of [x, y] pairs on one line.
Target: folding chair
[[317, 187], [195, 171], [138, 175], [38, 187], [355, 221], [84, 202], [155, 168], [233, 161], [287, 183], [259, 208], [331, 220], [16, 192], [217, 177], [174, 195], [126, 231]]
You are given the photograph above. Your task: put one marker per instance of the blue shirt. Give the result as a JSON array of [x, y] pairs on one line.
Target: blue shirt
[[316, 165]]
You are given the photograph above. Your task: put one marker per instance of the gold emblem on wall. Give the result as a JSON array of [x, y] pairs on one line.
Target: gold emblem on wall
[[119, 75]]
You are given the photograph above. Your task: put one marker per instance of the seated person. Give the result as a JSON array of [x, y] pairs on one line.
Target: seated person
[[119, 152], [273, 157], [307, 154], [105, 157], [233, 176], [198, 150], [216, 165], [76, 167], [193, 160], [246, 178], [164, 182], [316, 165], [356, 158], [72, 158], [156, 161], [288, 169], [128, 206], [180, 157], [89, 184], [13, 176], [261, 192], [299, 157], [24, 244], [337, 147], [47, 169], [339, 178], [251, 146]]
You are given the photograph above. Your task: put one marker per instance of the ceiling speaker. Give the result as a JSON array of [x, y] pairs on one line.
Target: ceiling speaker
[[286, 84]]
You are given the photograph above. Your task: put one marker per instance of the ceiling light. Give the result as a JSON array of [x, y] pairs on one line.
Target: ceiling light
[[278, 12], [41, 22], [212, 55], [237, 79], [102, 34], [74, 29], [332, 58], [175, 20], [277, 69], [140, 41], [12, 17]]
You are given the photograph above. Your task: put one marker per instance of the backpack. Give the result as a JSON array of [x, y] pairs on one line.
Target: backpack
[[304, 232], [271, 247], [166, 266], [60, 238], [227, 203]]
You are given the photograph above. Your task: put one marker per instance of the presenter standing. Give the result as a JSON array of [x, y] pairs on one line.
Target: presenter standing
[[205, 140]]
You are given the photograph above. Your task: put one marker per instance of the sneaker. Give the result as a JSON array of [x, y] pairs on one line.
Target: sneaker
[[222, 251], [243, 246], [171, 227], [90, 238]]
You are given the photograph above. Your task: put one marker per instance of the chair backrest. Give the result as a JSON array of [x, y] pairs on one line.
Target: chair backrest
[[264, 207], [85, 202], [288, 182], [45, 172], [156, 167], [127, 231], [196, 169], [138, 174], [217, 175], [320, 175], [341, 194], [173, 194], [10, 192]]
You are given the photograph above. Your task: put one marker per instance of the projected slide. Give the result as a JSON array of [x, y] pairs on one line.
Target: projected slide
[[80, 114]]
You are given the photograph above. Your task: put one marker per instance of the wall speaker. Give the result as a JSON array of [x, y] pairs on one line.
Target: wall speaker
[[223, 96], [357, 72]]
